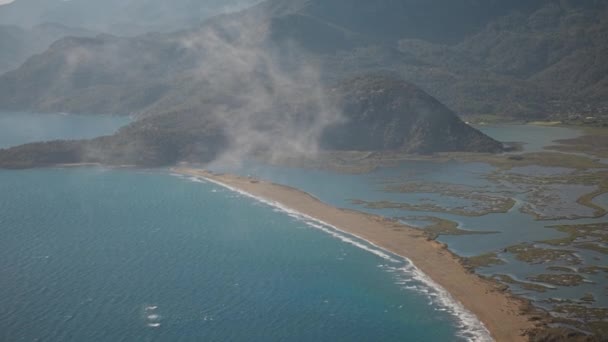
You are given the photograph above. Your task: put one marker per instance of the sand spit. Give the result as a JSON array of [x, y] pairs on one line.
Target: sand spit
[[505, 316]]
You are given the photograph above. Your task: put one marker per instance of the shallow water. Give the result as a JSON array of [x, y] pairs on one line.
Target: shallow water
[[534, 137]]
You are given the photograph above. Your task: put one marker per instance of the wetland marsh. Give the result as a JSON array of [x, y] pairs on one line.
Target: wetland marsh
[[534, 220]]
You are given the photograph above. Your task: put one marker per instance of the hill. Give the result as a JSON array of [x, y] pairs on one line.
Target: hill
[[367, 113], [18, 44], [513, 59], [385, 113]]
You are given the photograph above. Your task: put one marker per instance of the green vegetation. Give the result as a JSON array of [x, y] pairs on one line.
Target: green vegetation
[[558, 279], [515, 59], [537, 183], [561, 333], [587, 199], [416, 125], [548, 159], [384, 113], [590, 236], [439, 226], [589, 144], [483, 260], [366, 162], [476, 209], [348, 162], [593, 269], [18, 44], [151, 142], [589, 319], [482, 203], [530, 253], [560, 269], [524, 285]]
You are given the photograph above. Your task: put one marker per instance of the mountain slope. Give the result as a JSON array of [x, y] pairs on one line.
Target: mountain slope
[[558, 48], [18, 44], [385, 113], [522, 59], [438, 21], [367, 113], [102, 74]]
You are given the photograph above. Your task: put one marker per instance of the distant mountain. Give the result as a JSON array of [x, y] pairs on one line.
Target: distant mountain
[[120, 17], [437, 21], [102, 74], [522, 59], [514, 59], [380, 113], [18, 44]]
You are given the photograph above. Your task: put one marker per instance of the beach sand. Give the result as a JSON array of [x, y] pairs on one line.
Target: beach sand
[[505, 316]]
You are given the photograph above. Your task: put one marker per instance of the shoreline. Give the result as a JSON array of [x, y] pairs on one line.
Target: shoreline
[[507, 318]]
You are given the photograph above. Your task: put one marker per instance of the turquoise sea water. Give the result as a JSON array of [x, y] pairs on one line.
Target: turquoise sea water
[[93, 254]]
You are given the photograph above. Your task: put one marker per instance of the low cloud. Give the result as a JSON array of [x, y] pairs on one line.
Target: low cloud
[[276, 105]]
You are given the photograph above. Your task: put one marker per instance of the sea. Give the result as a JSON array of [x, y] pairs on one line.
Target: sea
[[99, 254]]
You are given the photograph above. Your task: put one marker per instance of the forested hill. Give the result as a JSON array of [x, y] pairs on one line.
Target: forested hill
[[514, 59], [367, 113], [18, 44]]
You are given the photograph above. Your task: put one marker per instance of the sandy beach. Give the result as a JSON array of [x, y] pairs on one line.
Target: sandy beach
[[502, 314]]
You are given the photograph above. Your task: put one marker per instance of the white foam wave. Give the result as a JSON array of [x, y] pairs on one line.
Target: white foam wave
[[470, 327]]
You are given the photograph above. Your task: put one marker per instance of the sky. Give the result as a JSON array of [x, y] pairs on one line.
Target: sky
[[2, 2]]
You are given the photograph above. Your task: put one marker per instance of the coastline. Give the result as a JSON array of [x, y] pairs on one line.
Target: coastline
[[506, 317]]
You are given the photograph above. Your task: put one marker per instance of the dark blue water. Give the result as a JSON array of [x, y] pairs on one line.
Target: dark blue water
[[123, 255]]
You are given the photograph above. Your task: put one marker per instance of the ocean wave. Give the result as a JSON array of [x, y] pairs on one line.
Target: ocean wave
[[196, 180], [469, 326]]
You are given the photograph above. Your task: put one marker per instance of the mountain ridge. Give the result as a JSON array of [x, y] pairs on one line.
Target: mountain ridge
[[18, 44], [489, 66]]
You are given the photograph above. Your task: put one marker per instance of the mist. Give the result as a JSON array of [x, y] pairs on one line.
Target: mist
[[123, 18], [275, 106], [226, 86]]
